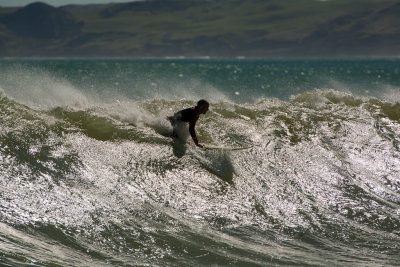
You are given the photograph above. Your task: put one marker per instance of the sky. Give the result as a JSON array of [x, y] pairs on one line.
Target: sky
[[13, 3]]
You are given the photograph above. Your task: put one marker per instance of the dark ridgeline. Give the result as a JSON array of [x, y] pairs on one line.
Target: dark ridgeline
[[149, 6], [220, 28], [42, 21], [365, 32]]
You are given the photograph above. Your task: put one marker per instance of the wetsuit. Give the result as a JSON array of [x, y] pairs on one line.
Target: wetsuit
[[187, 115], [190, 115]]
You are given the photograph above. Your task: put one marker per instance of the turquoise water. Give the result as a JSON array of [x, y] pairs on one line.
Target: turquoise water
[[215, 79], [90, 177]]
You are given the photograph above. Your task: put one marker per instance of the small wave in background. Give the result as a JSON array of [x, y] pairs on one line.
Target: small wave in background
[[89, 175]]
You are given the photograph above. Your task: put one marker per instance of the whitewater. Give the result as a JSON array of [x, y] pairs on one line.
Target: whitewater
[[89, 175]]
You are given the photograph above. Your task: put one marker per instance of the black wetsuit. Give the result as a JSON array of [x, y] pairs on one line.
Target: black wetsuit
[[189, 115], [186, 115]]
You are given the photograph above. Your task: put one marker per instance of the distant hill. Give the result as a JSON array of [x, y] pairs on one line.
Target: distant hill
[[41, 21], [219, 28]]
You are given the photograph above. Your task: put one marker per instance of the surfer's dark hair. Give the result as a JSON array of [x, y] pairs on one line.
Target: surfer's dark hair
[[203, 102]]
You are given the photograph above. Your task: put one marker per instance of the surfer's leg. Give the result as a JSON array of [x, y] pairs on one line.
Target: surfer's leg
[[174, 133], [174, 124], [180, 130], [172, 120]]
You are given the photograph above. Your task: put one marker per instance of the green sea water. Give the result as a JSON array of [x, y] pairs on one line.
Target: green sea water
[[89, 175], [144, 79]]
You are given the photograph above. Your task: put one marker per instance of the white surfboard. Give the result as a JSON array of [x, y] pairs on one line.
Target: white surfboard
[[209, 146]]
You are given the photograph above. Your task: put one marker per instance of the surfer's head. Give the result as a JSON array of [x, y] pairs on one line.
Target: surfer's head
[[203, 106]]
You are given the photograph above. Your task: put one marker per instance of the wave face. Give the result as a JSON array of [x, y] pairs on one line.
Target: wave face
[[90, 177]]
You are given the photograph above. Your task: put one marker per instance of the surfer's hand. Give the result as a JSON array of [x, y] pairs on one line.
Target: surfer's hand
[[200, 145]]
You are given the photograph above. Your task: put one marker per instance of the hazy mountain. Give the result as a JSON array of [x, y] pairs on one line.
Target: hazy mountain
[[225, 28], [41, 21]]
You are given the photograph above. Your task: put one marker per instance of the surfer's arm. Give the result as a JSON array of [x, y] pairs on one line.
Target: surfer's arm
[[192, 132]]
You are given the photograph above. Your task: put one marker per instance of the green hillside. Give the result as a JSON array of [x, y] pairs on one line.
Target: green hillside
[[224, 28]]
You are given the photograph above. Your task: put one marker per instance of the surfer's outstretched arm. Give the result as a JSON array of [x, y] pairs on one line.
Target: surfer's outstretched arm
[[192, 132]]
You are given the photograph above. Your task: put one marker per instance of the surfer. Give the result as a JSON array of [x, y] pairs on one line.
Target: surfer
[[190, 115]]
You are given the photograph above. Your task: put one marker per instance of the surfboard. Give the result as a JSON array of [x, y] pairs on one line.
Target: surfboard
[[209, 146]]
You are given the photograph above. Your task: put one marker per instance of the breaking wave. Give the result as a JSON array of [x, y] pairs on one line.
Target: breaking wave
[[89, 184]]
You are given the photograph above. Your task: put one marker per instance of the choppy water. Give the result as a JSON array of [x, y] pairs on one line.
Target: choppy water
[[89, 176]]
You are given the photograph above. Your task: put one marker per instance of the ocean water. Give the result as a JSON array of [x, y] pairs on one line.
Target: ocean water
[[90, 177]]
